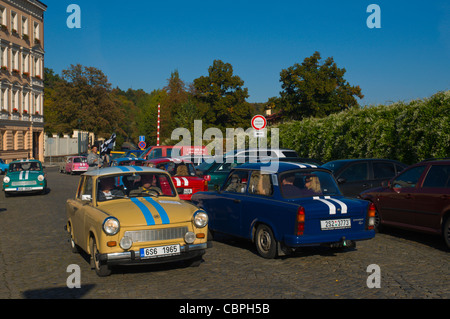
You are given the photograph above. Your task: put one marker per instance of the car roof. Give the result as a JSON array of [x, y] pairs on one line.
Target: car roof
[[282, 166], [363, 159], [435, 161], [26, 161], [122, 169]]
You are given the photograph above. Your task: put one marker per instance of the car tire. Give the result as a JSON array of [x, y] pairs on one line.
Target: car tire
[[378, 227], [73, 246], [101, 269], [446, 232], [265, 242]]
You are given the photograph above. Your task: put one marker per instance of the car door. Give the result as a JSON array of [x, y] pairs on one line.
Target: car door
[[353, 179], [68, 165], [397, 205], [226, 207], [79, 208], [381, 171], [259, 204], [432, 198]]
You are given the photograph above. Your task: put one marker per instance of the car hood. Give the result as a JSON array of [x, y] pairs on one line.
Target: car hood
[[148, 211], [24, 175]]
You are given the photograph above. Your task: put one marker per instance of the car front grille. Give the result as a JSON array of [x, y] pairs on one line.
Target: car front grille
[[24, 183], [156, 234]]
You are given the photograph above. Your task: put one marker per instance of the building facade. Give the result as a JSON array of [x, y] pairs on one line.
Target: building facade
[[21, 79]]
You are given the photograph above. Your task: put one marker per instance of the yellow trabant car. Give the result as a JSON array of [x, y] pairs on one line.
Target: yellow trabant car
[[125, 215]]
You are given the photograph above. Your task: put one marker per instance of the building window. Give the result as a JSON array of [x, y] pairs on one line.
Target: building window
[[25, 108], [25, 63], [14, 23], [3, 57], [24, 26], [37, 69], [3, 16], [36, 32], [15, 100], [15, 61], [4, 99]]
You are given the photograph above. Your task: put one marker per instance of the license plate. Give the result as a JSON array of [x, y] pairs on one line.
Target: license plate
[[188, 191], [331, 224], [161, 251], [24, 189]]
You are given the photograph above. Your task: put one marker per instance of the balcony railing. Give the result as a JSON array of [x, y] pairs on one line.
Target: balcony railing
[[15, 116]]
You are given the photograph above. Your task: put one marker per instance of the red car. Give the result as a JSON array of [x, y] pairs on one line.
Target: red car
[[416, 199], [183, 175]]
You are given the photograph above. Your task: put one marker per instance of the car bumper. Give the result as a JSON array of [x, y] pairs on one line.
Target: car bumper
[[133, 257], [330, 239], [24, 189]]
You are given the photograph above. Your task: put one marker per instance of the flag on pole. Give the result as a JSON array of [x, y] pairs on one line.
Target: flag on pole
[[108, 145]]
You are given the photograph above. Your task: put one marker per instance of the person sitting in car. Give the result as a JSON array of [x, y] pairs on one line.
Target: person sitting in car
[[108, 189], [148, 186]]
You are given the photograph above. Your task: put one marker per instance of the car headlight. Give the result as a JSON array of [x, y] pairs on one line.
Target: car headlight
[[111, 226], [6, 179], [200, 219], [41, 178]]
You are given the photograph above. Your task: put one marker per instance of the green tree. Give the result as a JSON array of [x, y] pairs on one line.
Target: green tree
[[224, 97], [311, 89], [82, 99]]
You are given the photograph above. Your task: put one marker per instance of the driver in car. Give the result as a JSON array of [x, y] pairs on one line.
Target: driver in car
[[148, 186]]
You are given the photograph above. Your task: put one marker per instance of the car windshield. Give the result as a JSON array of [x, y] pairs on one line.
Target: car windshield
[[134, 185], [298, 184], [24, 166]]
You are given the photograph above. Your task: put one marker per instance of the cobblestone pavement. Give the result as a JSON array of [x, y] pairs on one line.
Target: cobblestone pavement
[[35, 254]]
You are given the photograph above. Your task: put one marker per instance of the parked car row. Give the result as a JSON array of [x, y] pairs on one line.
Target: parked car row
[[165, 209], [134, 214]]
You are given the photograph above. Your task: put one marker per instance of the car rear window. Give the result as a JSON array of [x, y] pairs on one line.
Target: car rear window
[[300, 184]]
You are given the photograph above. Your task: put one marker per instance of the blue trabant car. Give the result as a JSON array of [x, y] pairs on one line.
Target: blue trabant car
[[286, 206]]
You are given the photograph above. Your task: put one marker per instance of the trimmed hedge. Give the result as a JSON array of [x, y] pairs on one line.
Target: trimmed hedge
[[408, 132]]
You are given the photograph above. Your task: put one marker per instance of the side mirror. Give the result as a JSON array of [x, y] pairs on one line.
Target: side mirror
[[217, 188], [86, 198]]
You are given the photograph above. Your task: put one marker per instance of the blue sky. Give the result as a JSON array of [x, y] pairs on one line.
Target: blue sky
[[138, 44]]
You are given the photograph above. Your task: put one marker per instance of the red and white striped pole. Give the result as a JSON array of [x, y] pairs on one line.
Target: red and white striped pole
[[159, 121]]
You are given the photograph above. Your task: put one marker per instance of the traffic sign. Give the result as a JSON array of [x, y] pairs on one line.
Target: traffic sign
[[259, 122], [142, 145], [142, 138]]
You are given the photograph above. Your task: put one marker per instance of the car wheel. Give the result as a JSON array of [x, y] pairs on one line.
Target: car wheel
[[73, 246], [378, 227], [101, 269], [446, 232], [265, 242]]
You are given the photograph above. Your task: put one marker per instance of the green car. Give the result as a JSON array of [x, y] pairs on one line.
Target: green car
[[25, 176]]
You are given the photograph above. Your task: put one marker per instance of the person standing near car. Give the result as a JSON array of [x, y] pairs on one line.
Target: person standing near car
[[94, 160]]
